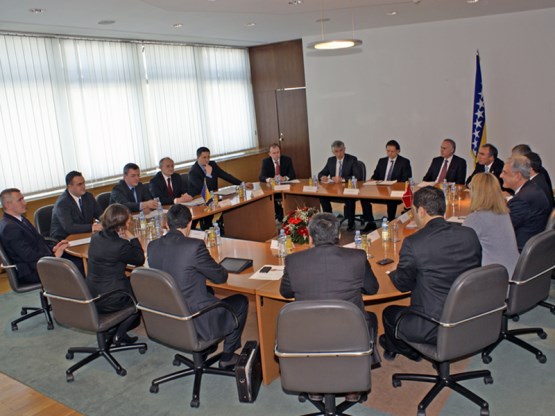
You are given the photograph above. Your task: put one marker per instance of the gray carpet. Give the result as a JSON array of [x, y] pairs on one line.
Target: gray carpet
[[36, 357]]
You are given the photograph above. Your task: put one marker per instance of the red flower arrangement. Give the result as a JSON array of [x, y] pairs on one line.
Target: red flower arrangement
[[296, 222]]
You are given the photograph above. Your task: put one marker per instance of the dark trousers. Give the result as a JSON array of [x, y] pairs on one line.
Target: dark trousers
[[349, 207], [369, 214], [128, 324], [240, 305], [390, 316]]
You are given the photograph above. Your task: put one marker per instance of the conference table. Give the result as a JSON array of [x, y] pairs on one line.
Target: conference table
[[266, 293]]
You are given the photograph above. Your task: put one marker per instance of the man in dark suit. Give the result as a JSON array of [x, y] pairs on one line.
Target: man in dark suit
[[393, 167], [22, 242], [340, 168], [76, 210], [167, 185], [523, 150], [131, 192], [327, 271], [488, 162], [188, 261], [529, 208], [279, 167], [430, 261], [447, 166], [538, 178]]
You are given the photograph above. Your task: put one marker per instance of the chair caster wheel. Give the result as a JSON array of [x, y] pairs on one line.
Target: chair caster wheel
[[176, 362], [50, 326], [302, 398], [154, 388], [122, 372], [484, 412], [552, 310], [69, 356], [396, 383], [488, 380], [23, 312], [516, 318], [421, 412], [486, 359], [69, 377], [142, 351], [14, 327], [195, 403], [542, 358], [542, 335]]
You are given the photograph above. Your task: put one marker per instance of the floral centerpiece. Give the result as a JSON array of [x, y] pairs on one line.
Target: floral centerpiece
[[296, 222]]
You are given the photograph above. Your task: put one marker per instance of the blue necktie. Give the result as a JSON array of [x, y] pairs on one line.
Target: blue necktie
[[340, 168], [388, 178], [135, 194], [81, 205]]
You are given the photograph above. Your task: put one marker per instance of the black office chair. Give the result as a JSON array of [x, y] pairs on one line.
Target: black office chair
[[361, 167], [18, 287], [185, 182], [103, 200], [550, 226], [74, 307], [168, 321], [324, 348], [43, 220], [529, 285], [471, 320]]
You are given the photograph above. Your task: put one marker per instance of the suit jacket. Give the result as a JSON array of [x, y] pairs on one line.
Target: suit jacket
[[429, 262], [456, 170], [197, 176], [540, 180], [529, 210], [544, 172], [159, 188], [268, 169], [328, 272], [109, 256], [122, 195], [350, 168], [24, 246], [188, 261], [402, 170], [496, 169], [68, 219]]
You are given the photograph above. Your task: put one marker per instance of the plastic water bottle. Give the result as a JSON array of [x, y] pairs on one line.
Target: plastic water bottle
[[244, 186], [411, 183], [282, 252], [159, 218], [385, 229], [218, 234], [444, 187], [278, 180], [142, 220], [315, 180], [354, 182], [358, 239]]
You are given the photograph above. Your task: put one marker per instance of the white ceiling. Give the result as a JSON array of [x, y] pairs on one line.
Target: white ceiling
[[225, 21]]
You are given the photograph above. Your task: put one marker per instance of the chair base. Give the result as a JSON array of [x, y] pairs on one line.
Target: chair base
[[104, 349], [45, 309], [444, 379], [198, 366], [328, 407], [549, 306]]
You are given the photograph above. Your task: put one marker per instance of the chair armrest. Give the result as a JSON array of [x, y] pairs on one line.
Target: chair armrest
[[8, 266], [417, 313], [522, 282]]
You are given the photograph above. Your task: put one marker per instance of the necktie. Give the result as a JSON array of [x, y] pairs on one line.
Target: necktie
[[134, 194], [443, 172], [277, 169], [170, 189], [81, 205], [340, 168], [388, 178], [486, 169]]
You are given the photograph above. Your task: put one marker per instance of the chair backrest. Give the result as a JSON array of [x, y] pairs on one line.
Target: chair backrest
[[473, 312], [68, 293], [184, 182], [362, 170], [164, 310], [323, 347], [551, 222], [43, 220], [531, 280], [11, 270], [103, 200]]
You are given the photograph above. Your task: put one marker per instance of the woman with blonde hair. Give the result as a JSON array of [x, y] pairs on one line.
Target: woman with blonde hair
[[489, 217]]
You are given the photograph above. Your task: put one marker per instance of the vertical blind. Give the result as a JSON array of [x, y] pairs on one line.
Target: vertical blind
[[93, 106]]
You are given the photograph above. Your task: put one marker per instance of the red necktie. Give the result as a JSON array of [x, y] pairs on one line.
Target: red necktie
[[170, 190], [443, 172], [278, 173]]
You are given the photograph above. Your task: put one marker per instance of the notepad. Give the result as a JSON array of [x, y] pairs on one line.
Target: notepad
[[275, 273]]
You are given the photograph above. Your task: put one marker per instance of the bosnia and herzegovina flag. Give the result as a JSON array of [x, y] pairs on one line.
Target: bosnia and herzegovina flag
[[206, 195], [479, 136]]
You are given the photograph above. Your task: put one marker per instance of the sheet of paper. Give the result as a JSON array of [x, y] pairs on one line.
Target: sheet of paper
[[374, 235], [370, 183], [310, 188], [80, 242], [228, 190], [257, 192], [386, 182], [397, 194], [275, 273], [404, 218], [291, 181], [195, 202], [351, 191], [274, 245], [412, 224], [459, 220], [197, 234], [424, 184]]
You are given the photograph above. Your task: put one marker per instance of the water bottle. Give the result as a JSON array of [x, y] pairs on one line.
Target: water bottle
[[444, 187], [358, 239], [218, 234], [159, 218], [282, 252], [411, 183], [385, 229], [354, 182], [278, 180], [157, 227], [310, 181], [244, 186], [142, 220], [315, 180]]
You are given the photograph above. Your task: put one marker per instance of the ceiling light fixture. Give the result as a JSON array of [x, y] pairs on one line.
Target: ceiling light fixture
[[177, 25], [37, 10], [106, 22], [251, 24], [334, 44], [392, 13], [472, 1]]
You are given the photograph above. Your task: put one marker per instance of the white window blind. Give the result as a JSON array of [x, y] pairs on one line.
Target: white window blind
[[93, 106]]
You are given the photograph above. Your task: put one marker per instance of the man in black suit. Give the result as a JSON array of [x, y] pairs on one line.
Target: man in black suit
[[430, 261], [188, 261], [131, 192], [327, 271], [21, 241], [488, 162], [538, 178], [447, 166], [279, 167], [167, 185], [76, 210], [523, 150], [529, 208], [393, 167], [340, 168]]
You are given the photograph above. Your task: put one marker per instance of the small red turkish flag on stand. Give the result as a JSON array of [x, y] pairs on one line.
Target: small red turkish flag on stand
[[407, 196]]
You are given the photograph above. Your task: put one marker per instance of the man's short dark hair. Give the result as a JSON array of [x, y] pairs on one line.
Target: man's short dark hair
[[6, 193], [179, 216], [521, 149], [535, 161], [431, 199], [393, 143], [491, 149], [324, 229], [452, 143], [202, 150], [130, 166], [71, 175], [274, 145], [337, 144]]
